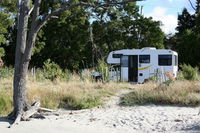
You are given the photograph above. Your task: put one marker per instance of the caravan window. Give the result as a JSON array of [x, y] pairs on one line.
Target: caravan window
[[176, 60], [124, 61], [144, 58], [117, 55], [164, 60]]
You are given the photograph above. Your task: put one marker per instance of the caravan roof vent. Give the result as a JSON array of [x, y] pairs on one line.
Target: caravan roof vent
[[149, 48]]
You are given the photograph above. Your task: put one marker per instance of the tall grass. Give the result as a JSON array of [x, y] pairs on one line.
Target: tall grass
[[184, 92], [75, 93], [72, 94], [5, 96]]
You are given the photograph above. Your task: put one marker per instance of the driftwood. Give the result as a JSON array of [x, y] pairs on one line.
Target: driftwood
[[45, 110], [34, 109], [31, 113]]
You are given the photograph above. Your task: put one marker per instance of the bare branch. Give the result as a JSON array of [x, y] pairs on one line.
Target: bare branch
[[192, 5], [30, 11]]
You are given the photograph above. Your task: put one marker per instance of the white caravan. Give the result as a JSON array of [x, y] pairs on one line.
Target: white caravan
[[138, 65]]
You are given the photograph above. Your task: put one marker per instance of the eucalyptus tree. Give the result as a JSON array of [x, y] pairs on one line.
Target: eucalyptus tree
[[31, 10]]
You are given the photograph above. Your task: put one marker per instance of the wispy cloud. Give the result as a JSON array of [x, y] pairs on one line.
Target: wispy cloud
[[169, 21]]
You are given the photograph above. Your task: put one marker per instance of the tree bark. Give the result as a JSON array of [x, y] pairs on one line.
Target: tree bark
[[21, 66]]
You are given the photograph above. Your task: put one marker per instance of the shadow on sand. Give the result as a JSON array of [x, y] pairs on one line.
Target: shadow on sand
[[192, 128], [5, 119]]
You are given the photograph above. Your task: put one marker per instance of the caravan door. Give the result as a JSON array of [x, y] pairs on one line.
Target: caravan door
[[133, 68]]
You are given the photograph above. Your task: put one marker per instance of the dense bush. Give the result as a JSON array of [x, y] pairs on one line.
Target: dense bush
[[189, 72], [80, 103], [52, 70], [103, 68], [6, 72]]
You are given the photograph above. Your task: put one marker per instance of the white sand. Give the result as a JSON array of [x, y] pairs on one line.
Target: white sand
[[112, 118]]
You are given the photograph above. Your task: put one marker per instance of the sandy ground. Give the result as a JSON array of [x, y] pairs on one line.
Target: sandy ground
[[112, 118]]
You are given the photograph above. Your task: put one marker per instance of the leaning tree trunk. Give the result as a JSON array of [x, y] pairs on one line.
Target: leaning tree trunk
[[21, 65]]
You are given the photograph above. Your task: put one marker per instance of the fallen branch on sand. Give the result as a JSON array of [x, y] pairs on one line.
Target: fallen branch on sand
[[35, 108]]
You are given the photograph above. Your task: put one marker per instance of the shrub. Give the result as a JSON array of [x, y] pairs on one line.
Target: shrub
[[66, 75], [39, 75], [52, 70], [2, 52], [6, 72], [74, 102], [189, 72], [86, 75], [103, 68]]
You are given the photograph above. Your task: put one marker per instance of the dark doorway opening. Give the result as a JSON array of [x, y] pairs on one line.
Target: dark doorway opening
[[133, 68]]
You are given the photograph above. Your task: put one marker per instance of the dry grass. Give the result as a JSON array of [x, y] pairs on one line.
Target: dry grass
[[74, 94], [184, 92], [5, 96]]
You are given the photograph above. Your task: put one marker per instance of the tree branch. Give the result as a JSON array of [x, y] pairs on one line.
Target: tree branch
[[38, 24], [32, 33], [30, 11], [68, 7], [192, 5]]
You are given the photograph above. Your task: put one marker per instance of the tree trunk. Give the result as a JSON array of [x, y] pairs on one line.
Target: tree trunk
[[21, 65]]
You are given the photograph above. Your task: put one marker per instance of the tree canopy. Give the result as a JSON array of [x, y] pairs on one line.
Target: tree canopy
[[186, 40], [78, 38]]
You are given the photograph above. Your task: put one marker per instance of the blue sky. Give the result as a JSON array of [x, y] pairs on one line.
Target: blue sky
[[165, 11]]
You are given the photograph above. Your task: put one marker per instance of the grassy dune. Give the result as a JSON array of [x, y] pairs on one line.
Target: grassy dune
[[186, 93], [74, 94]]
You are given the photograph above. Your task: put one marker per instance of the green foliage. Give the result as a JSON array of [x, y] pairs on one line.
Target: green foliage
[[65, 36], [52, 71], [148, 32], [189, 72], [86, 75], [5, 22], [186, 40], [80, 103], [69, 35], [6, 72], [2, 52], [114, 27], [186, 21], [103, 68], [153, 78], [8, 5]]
